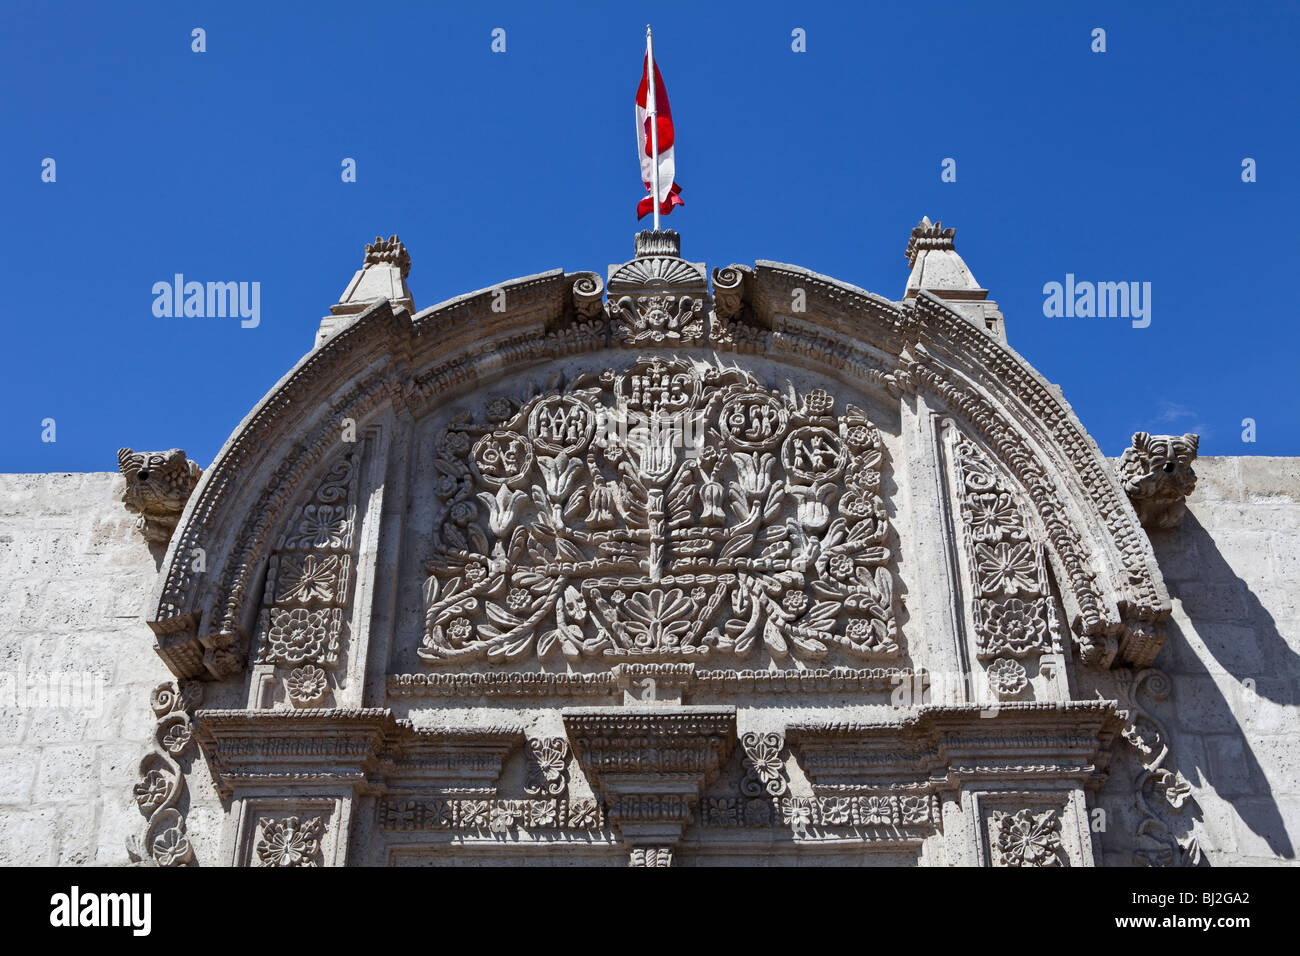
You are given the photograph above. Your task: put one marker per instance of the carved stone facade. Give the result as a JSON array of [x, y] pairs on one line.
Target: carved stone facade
[[656, 569]]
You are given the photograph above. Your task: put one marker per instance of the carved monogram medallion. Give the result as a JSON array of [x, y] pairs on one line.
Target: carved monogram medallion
[[661, 511]]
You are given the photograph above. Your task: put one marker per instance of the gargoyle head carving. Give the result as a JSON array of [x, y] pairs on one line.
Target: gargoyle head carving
[[158, 483], [1156, 472]]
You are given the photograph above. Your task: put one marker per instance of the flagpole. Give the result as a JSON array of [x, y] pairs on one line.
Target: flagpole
[[654, 122]]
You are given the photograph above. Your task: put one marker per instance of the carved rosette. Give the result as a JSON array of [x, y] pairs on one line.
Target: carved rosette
[[304, 606], [1012, 608], [162, 779], [1026, 838], [289, 841], [764, 765], [548, 766], [663, 511]]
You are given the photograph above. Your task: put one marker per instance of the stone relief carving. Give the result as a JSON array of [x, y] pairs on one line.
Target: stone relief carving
[[651, 856], [1156, 472], [1026, 838], [158, 484], [162, 780], [1012, 607], [1163, 795], [289, 841], [661, 511], [548, 767], [304, 606], [764, 767]]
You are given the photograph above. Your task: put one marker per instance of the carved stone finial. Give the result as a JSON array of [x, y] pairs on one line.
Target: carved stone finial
[[929, 235], [158, 483], [382, 275], [1156, 472], [390, 251], [665, 242]]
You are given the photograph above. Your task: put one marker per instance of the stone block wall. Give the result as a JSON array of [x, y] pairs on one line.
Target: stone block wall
[[77, 576], [1233, 653]]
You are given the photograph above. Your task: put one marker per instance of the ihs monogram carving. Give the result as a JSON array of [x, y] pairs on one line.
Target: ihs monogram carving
[[1156, 472], [1026, 838], [290, 841], [158, 484], [162, 783], [308, 581], [661, 511], [1012, 608]]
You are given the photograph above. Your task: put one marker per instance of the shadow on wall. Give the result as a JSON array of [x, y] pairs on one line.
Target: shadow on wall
[[1238, 632]]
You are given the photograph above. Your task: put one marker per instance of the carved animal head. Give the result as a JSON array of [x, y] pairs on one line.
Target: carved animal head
[[158, 483], [1156, 472]]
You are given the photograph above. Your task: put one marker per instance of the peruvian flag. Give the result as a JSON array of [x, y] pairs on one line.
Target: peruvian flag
[[669, 192]]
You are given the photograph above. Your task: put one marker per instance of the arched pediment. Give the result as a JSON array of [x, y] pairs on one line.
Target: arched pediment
[[766, 331]]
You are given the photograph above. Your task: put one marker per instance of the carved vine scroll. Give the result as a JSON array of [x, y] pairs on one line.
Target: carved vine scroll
[[661, 511]]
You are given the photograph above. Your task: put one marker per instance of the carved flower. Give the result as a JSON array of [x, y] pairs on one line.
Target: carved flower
[[1007, 568], [1026, 838], [1014, 625], [312, 579], [474, 813], [307, 685], [299, 634], [517, 599], [859, 630], [542, 813], [463, 512], [875, 810], [558, 474], [796, 811], [859, 436], [171, 847], [618, 597], [474, 573], [855, 505], [837, 810], [454, 442], [459, 631], [504, 508], [321, 526], [992, 516], [177, 739], [445, 486], [820, 402], [151, 791], [698, 594], [841, 566], [794, 601], [658, 618], [754, 471], [584, 814], [1007, 677], [499, 408], [290, 842]]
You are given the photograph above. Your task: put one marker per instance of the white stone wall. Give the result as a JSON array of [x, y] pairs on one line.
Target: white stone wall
[[1233, 570], [77, 576]]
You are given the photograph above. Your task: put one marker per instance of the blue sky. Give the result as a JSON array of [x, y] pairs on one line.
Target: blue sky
[[225, 165]]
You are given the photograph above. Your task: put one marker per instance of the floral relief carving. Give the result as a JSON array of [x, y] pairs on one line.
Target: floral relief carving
[[764, 768], [307, 685], [1007, 677], [162, 779], [661, 511], [308, 580], [1026, 838], [1012, 610], [290, 841], [548, 768]]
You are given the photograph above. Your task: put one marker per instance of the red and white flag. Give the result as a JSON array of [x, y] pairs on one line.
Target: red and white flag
[[669, 192]]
